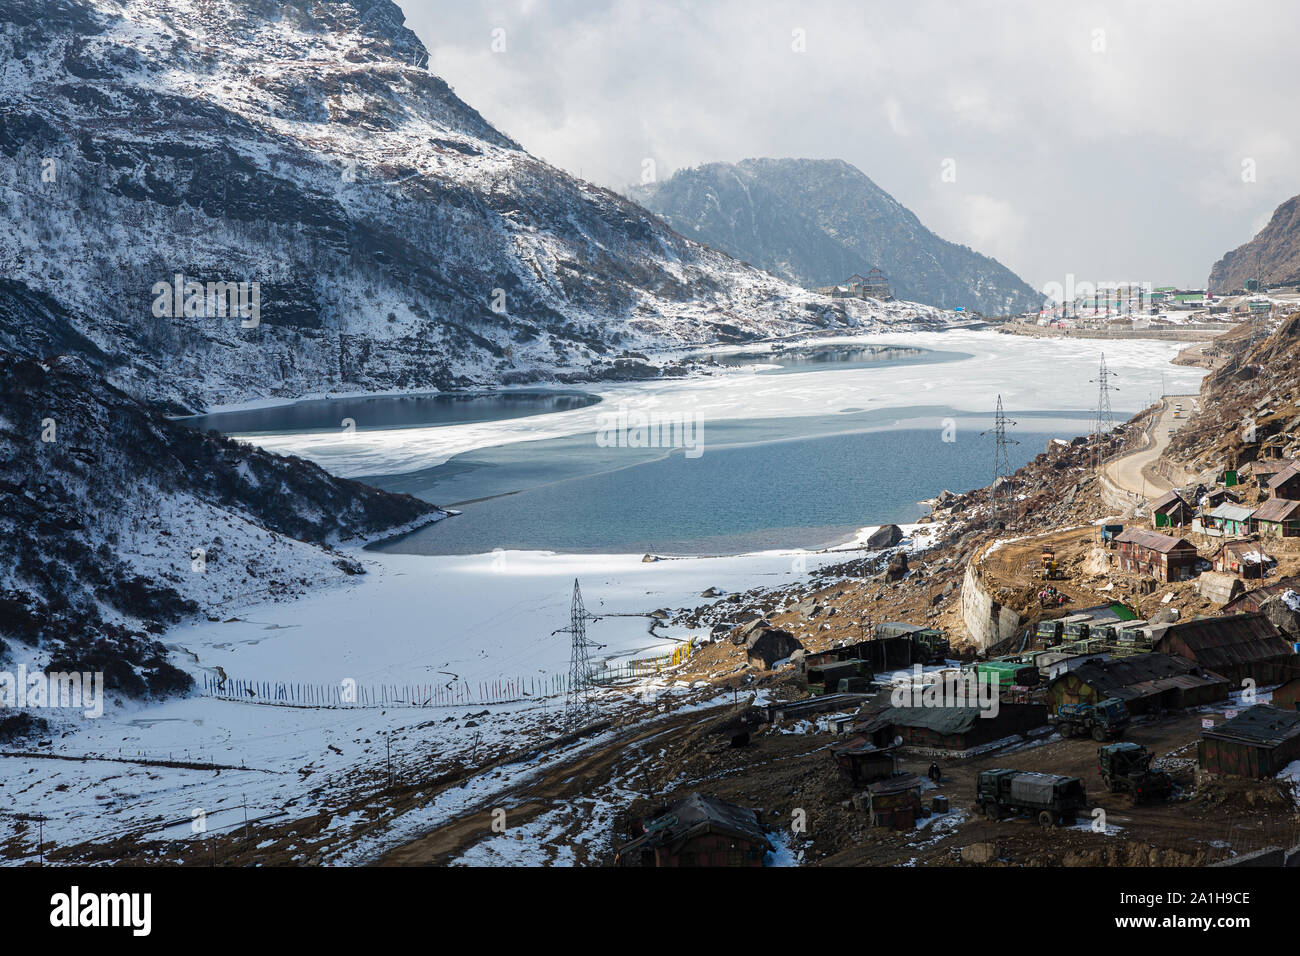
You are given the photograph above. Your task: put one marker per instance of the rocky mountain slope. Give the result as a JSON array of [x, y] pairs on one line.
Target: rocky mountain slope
[[117, 522], [816, 222], [1273, 255], [397, 239]]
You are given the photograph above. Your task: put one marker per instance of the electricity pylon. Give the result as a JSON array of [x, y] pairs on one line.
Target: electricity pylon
[[1001, 457], [577, 700], [1105, 422]]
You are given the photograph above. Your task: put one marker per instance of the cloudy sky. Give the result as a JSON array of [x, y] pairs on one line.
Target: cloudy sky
[[1126, 141]]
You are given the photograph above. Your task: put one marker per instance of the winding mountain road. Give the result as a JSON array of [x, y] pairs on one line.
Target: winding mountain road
[[1127, 472]]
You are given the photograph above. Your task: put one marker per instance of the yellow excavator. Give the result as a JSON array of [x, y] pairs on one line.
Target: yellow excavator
[[1049, 569]]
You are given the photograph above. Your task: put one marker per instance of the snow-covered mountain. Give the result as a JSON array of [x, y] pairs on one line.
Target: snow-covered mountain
[[116, 522], [397, 240], [816, 222], [1272, 256]]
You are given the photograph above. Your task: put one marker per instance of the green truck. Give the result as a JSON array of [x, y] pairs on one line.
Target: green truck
[[1126, 768], [1104, 720], [1053, 800], [1009, 673], [839, 677], [930, 645]]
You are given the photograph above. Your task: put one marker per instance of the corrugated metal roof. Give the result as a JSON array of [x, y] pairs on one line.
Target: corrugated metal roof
[[1285, 475], [1261, 725], [1142, 675], [1167, 499], [1152, 539], [698, 814], [1222, 643], [1278, 509], [1230, 512]]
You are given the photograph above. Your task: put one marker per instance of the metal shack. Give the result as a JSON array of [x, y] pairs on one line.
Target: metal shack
[[1237, 646], [698, 831], [1277, 518], [1145, 682], [1228, 520], [1256, 743], [1156, 555], [893, 802], [1170, 511], [951, 729], [1286, 483], [1287, 697]]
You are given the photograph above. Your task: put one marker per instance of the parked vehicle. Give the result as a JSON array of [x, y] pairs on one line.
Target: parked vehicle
[[1126, 768], [1053, 800], [930, 645], [827, 678], [1104, 720], [1010, 673]]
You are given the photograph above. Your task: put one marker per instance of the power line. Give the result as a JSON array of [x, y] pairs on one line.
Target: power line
[[1001, 461], [577, 701], [1105, 420]]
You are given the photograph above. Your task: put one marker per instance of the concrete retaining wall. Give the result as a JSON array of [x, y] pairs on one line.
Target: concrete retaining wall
[[987, 621]]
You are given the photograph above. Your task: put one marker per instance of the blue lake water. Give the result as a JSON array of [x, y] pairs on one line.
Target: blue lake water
[[758, 484], [754, 484]]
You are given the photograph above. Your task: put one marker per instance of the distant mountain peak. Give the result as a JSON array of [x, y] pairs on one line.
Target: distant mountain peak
[[815, 222]]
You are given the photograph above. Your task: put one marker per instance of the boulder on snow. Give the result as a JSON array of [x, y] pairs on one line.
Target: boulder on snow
[[886, 536], [769, 645]]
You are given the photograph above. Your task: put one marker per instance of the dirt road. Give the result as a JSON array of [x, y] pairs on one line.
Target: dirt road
[[1127, 472]]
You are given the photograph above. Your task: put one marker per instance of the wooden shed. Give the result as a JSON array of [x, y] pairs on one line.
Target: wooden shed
[[1170, 511], [1257, 743], [1245, 559], [1156, 555], [698, 831], [1287, 697], [1145, 682], [1237, 646], [1286, 483], [1277, 518]]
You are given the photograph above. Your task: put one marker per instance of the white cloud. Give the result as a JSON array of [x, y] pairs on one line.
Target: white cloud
[[1097, 163]]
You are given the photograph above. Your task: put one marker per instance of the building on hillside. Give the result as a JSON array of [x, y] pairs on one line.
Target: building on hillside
[[1245, 559], [1257, 743], [1229, 520], [1170, 511], [1277, 518], [698, 831], [1254, 599], [1286, 483], [1145, 682], [1237, 646], [1156, 555], [1261, 470]]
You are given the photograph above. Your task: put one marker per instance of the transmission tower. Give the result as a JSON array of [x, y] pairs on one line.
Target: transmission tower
[[1001, 460], [1105, 418], [577, 701]]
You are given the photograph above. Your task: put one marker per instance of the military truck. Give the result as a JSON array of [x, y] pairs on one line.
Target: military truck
[[1104, 720], [1126, 768], [829, 677], [929, 645], [1048, 633], [1009, 673], [1053, 800]]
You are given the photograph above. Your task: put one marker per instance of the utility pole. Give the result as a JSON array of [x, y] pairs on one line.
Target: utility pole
[[577, 702], [1001, 459]]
